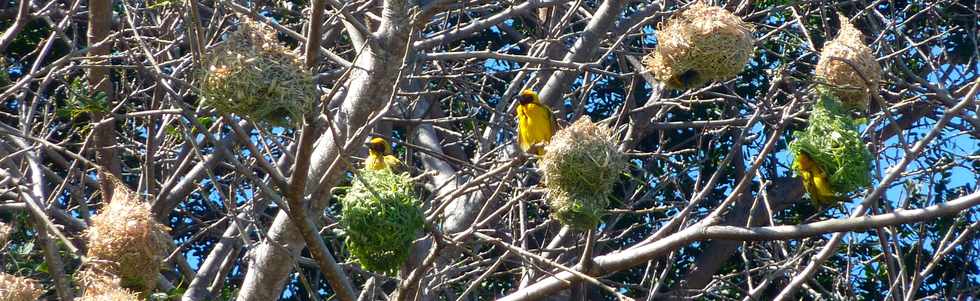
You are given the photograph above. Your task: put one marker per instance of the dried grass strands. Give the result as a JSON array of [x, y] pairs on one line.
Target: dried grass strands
[[16, 288], [125, 240], [846, 81], [580, 166], [703, 43]]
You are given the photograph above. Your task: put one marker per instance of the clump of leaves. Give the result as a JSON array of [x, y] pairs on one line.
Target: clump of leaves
[[79, 100], [833, 142], [381, 217]]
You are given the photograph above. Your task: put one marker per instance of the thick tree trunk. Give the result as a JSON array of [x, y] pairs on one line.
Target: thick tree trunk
[[99, 23]]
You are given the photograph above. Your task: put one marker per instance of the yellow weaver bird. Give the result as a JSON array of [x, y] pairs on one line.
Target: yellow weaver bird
[[380, 155], [535, 123], [815, 180]]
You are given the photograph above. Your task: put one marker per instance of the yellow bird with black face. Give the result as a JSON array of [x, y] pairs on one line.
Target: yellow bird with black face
[[535, 123], [380, 156], [815, 180]]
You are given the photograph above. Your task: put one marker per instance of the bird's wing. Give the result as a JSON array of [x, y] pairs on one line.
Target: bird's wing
[[393, 163]]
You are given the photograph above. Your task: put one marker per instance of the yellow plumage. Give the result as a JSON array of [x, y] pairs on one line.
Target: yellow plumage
[[535, 123], [380, 156], [815, 181]]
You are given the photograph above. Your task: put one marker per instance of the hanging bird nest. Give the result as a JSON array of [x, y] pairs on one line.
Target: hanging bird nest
[[580, 166], [126, 240], [252, 75], [98, 286], [16, 288], [381, 217], [832, 141], [845, 80], [700, 44]]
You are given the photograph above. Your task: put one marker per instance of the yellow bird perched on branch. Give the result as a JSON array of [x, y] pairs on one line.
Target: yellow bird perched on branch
[[815, 180], [535, 123], [380, 156]]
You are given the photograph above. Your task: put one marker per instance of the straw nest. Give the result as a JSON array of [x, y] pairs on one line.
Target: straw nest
[[580, 166], [126, 240], [101, 287], [700, 44], [832, 141], [846, 81], [252, 75], [16, 288], [5, 232], [381, 217]]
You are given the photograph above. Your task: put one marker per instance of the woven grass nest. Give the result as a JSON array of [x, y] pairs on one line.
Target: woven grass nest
[[126, 241], [700, 44], [832, 141], [16, 288], [252, 75], [101, 287], [5, 232], [580, 166], [846, 82], [382, 217]]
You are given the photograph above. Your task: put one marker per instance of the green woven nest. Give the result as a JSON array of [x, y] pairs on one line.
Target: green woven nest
[[382, 218], [580, 165], [250, 74], [833, 142]]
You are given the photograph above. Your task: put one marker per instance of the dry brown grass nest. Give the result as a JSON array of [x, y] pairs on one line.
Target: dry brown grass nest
[[251, 74], [5, 232], [16, 288], [581, 165], [99, 286], [700, 44], [125, 240], [846, 82]]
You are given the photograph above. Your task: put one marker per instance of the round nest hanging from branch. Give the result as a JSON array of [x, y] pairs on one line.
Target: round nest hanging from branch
[[845, 80], [252, 75], [580, 166], [703, 43], [101, 287], [16, 288], [832, 142], [381, 217], [126, 241]]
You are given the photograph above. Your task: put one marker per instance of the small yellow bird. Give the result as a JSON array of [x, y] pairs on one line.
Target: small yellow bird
[[380, 156], [815, 181], [535, 123]]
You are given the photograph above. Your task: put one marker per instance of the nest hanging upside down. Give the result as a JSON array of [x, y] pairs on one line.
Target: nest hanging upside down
[[845, 80], [252, 75], [580, 166], [16, 288], [125, 240], [381, 217], [700, 44], [833, 144], [101, 287]]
